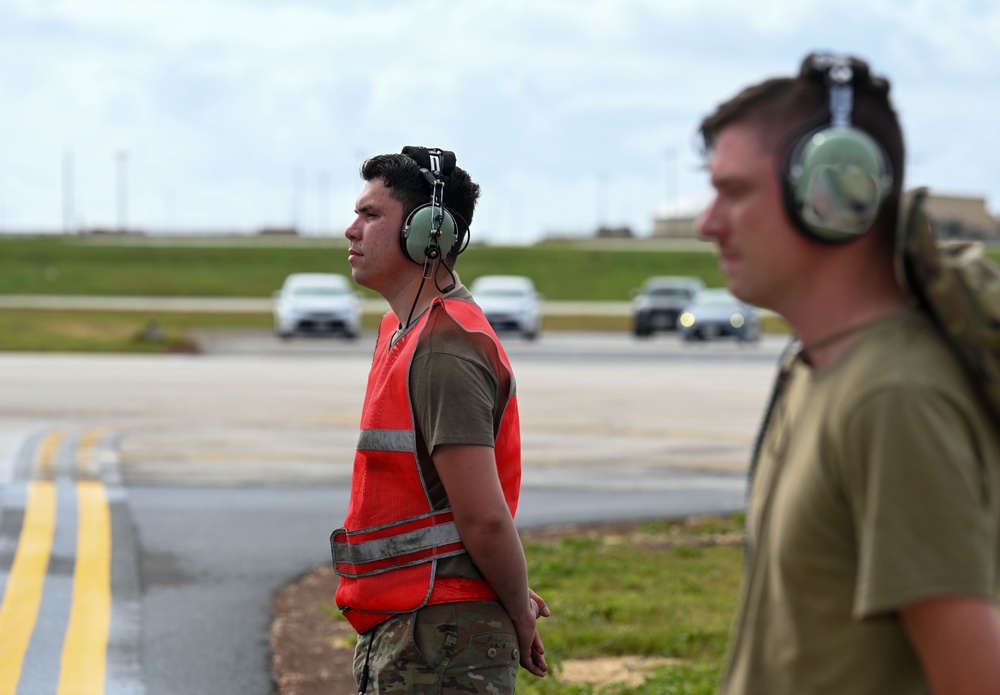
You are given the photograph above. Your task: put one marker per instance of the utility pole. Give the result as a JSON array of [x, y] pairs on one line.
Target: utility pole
[[671, 209], [602, 198], [323, 218], [673, 177], [69, 226], [296, 202], [122, 169]]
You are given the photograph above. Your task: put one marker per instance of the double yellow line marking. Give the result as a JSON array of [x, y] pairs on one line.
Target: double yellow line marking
[[85, 649], [84, 653], [23, 596]]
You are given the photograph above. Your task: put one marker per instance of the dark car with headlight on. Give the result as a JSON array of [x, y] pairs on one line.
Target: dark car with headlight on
[[716, 313], [656, 306]]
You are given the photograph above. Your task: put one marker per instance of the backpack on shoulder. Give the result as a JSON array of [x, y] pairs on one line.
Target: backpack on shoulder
[[959, 287]]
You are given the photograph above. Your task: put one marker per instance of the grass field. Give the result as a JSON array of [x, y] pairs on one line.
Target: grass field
[[98, 266], [667, 590], [159, 267], [241, 268], [256, 267], [112, 331]]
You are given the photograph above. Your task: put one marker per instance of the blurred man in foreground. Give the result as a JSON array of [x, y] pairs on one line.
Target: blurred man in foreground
[[873, 523]]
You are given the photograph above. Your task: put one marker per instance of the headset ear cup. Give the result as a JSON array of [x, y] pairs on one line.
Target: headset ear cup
[[835, 182], [416, 234]]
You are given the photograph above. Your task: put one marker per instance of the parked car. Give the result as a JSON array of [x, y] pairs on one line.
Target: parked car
[[716, 313], [660, 301], [317, 303], [510, 303]]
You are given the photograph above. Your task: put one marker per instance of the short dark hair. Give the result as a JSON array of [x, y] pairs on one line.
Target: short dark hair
[[785, 108], [401, 175]]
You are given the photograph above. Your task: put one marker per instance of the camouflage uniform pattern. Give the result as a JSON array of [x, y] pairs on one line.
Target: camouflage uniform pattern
[[467, 648], [960, 288]]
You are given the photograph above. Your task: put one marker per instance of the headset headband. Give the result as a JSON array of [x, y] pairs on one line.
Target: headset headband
[[440, 162]]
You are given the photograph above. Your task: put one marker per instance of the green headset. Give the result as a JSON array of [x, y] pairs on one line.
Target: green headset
[[432, 227], [836, 176]]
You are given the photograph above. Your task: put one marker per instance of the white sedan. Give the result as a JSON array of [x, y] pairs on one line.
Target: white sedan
[[510, 303], [317, 303]]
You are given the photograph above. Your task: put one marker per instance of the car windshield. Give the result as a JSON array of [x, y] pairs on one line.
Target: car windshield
[[717, 302], [500, 292], [671, 292], [713, 299], [318, 291]]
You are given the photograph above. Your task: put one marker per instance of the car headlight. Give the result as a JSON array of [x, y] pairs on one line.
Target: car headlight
[[736, 320], [686, 319]]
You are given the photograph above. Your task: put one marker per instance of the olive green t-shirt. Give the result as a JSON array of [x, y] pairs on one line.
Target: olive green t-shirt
[[878, 485], [459, 389]]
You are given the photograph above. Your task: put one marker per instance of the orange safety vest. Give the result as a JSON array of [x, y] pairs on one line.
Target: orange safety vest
[[386, 554]]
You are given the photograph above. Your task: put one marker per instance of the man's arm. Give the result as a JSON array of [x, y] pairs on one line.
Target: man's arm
[[469, 476], [958, 642]]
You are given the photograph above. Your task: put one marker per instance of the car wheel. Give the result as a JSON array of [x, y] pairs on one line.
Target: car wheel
[[283, 335], [642, 331]]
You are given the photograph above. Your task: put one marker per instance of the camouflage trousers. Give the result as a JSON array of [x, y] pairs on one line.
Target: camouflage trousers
[[468, 648]]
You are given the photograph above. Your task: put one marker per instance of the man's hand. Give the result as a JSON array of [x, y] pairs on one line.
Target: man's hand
[[530, 648], [541, 610], [533, 659]]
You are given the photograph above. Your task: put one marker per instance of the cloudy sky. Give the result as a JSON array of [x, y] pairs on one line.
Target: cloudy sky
[[218, 115]]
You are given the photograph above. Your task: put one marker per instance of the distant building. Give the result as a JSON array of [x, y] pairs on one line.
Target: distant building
[[959, 217], [614, 232], [674, 227], [278, 231], [955, 217]]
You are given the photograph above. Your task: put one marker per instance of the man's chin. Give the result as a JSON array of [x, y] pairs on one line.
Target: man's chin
[[739, 291]]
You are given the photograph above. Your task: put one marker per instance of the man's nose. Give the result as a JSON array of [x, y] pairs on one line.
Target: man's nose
[[709, 224], [352, 232]]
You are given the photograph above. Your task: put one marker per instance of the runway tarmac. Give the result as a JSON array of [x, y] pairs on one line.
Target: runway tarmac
[[223, 474]]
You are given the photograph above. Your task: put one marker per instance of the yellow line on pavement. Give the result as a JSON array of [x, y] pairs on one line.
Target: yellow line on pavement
[[84, 656], [19, 609], [45, 459], [87, 451]]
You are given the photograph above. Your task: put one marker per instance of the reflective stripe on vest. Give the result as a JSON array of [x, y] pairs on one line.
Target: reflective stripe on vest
[[379, 549], [386, 440]]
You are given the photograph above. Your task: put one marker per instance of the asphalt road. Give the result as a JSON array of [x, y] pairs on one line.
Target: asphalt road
[[225, 472]]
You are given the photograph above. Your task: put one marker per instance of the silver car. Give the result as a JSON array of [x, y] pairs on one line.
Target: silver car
[[510, 303], [317, 303]]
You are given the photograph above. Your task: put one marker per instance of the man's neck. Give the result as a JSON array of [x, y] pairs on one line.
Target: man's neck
[[844, 297], [829, 330], [406, 303]]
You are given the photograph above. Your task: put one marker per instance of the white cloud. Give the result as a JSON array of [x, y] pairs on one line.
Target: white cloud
[[231, 111]]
